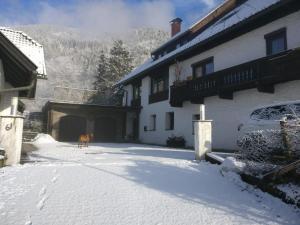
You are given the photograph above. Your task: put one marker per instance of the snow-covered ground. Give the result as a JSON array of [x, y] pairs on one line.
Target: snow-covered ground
[[129, 184]]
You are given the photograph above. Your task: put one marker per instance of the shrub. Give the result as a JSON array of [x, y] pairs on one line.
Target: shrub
[[176, 141]]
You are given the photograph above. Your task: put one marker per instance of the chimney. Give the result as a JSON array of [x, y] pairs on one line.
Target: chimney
[[175, 26]]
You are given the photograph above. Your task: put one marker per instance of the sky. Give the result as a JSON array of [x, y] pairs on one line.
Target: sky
[[108, 16]]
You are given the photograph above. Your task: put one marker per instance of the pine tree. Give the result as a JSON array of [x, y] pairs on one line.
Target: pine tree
[[103, 78], [120, 61], [110, 70]]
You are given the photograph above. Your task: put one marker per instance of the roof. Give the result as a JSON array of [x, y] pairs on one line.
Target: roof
[[50, 104], [242, 12], [29, 47]]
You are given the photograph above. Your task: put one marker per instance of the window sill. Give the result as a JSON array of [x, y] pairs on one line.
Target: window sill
[[168, 129]]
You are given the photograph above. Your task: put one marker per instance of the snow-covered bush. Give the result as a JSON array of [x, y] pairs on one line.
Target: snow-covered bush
[[176, 141], [261, 150]]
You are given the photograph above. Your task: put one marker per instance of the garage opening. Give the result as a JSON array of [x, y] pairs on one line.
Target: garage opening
[[70, 127], [105, 129]]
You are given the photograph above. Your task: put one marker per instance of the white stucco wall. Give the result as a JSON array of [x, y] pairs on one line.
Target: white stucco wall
[[11, 126], [227, 114]]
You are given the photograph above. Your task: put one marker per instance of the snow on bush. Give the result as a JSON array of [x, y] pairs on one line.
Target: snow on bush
[[292, 191], [260, 149], [2, 157], [233, 165], [43, 139]]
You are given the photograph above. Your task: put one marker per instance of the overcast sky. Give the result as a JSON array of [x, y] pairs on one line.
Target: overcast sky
[[103, 15]]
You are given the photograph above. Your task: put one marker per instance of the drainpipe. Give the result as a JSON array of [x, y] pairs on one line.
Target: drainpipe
[[24, 88], [126, 96]]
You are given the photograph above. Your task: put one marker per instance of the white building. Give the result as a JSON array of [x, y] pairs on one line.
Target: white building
[[21, 63], [241, 55]]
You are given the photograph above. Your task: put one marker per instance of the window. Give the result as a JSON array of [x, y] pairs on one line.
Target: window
[[203, 68], [136, 91], [170, 121], [276, 42], [152, 126], [159, 84]]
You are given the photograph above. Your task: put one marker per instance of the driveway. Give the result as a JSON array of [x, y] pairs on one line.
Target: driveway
[[113, 184]]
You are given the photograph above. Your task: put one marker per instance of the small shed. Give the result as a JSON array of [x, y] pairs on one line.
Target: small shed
[[66, 121]]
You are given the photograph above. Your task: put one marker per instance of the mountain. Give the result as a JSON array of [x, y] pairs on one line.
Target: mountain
[[71, 58]]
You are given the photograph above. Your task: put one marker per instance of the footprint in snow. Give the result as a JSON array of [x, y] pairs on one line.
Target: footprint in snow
[[41, 203], [43, 190], [54, 179], [28, 223]]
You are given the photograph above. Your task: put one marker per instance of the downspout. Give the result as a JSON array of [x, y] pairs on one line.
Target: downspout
[[23, 88], [126, 96]]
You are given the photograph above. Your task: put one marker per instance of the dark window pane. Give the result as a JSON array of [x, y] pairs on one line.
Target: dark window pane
[[277, 45], [276, 42], [209, 67]]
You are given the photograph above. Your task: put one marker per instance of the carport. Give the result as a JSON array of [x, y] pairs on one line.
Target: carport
[[66, 121]]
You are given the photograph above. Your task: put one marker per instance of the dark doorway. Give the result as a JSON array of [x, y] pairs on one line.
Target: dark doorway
[[105, 129], [70, 127], [135, 126]]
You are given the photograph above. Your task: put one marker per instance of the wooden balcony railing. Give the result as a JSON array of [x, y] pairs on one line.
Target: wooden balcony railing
[[159, 96], [136, 103], [262, 74]]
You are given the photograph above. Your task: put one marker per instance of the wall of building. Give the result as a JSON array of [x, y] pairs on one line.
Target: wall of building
[[245, 48], [227, 114], [11, 125]]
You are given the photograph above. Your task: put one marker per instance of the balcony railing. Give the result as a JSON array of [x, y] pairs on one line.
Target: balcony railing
[[159, 96], [262, 74], [136, 102]]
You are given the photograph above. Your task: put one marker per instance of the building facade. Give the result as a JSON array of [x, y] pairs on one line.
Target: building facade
[[241, 55], [21, 63]]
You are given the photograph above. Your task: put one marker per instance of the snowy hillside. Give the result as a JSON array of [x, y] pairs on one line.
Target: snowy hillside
[[71, 57]]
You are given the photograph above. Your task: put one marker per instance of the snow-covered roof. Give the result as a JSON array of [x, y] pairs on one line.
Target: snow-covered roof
[[30, 48], [238, 14]]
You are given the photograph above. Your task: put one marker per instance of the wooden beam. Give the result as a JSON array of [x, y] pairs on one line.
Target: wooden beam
[[226, 95], [266, 88], [217, 13], [199, 100]]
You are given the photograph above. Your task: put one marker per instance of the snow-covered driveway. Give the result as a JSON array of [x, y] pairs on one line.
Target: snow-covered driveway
[[129, 184]]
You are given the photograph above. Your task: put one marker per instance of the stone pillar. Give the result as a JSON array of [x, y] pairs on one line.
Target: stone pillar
[[11, 138], [203, 138]]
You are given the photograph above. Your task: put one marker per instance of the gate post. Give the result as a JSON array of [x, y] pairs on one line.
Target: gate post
[[11, 138], [202, 138]]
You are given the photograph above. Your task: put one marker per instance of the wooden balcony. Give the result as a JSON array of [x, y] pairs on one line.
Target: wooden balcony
[[136, 103], [262, 74], [159, 96]]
